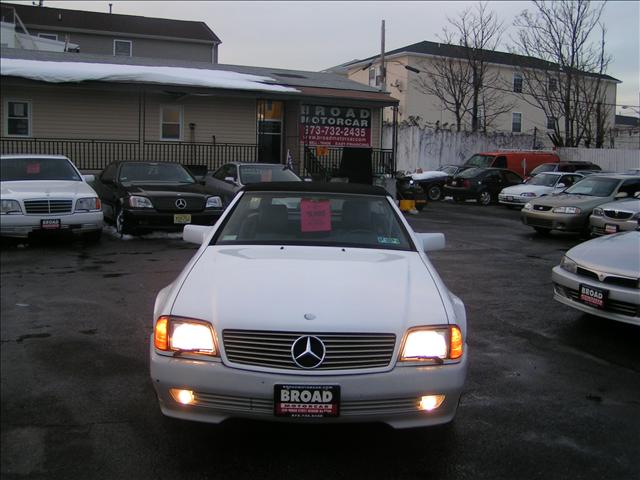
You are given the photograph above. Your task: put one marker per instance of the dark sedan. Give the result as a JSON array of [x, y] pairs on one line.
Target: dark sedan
[[481, 184], [143, 196]]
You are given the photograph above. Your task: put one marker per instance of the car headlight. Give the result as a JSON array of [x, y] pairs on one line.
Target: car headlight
[[528, 206], [213, 202], [178, 334], [569, 265], [139, 202], [432, 343], [10, 206], [568, 210], [88, 204], [528, 194], [597, 212]]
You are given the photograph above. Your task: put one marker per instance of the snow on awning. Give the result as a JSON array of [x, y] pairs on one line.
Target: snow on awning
[[62, 72]]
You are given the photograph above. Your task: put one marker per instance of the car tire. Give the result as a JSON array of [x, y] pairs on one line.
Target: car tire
[[543, 231], [434, 193], [485, 198]]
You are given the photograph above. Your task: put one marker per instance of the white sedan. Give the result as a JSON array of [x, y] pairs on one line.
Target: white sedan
[[542, 184], [310, 302], [46, 193]]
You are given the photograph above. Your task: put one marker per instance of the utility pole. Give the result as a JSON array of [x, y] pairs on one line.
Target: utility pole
[[383, 68]]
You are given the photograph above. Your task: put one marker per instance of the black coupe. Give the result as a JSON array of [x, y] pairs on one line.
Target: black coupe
[[142, 196]]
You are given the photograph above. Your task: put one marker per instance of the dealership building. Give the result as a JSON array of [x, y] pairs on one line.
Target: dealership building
[[99, 108]]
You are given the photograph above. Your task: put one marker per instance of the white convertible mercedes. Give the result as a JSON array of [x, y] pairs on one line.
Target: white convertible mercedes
[[310, 302], [46, 193]]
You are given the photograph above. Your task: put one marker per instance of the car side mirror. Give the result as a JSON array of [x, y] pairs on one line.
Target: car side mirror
[[431, 241], [620, 195], [561, 185], [89, 178], [195, 233]]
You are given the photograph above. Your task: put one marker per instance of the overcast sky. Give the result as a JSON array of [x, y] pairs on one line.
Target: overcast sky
[[318, 35]]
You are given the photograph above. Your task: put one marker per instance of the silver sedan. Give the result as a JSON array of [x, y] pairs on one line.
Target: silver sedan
[[602, 277]]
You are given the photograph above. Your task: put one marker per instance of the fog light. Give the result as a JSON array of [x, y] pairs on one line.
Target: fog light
[[430, 402], [184, 397]]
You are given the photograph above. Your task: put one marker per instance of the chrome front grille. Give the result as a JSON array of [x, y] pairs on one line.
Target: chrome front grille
[[618, 215], [228, 403], [344, 351], [612, 279], [39, 207]]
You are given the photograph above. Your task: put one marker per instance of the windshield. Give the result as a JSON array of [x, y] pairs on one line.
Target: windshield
[[141, 172], [314, 219], [596, 186], [482, 161], [266, 173], [470, 173], [544, 180], [545, 167], [37, 169], [450, 169]]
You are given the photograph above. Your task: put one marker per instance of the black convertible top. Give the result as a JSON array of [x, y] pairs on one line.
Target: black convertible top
[[316, 187]]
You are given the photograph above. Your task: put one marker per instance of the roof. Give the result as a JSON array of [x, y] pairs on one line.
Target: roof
[[458, 51], [627, 121], [316, 187], [30, 155], [293, 82], [79, 20]]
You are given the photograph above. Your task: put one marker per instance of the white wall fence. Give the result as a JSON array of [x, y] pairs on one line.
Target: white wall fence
[[429, 149]]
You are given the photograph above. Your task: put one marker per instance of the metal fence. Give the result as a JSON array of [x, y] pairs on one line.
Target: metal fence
[[97, 154], [327, 166]]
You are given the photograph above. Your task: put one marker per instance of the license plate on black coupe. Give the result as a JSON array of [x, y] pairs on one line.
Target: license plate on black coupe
[[50, 224], [306, 401], [594, 297]]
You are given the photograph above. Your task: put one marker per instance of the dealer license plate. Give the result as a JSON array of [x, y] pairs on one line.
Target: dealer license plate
[[509, 199], [308, 401], [608, 228], [182, 218], [592, 296], [50, 224]]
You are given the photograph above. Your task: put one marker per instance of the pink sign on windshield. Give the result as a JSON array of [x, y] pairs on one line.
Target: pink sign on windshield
[[315, 215], [33, 168]]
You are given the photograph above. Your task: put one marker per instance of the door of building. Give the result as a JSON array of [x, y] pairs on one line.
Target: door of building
[[270, 116]]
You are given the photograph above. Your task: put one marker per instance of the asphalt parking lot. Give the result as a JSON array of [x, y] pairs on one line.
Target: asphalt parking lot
[[551, 393]]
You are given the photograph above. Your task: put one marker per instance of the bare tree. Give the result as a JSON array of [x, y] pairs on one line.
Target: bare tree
[[566, 76], [448, 80]]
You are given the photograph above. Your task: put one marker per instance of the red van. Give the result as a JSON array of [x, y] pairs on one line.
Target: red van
[[519, 161]]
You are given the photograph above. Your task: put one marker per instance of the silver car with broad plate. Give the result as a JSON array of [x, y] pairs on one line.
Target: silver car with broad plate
[[602, 277], [615, 217]]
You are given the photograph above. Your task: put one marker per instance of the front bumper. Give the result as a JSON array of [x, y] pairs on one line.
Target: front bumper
[[598, 225], [622, 304], [223, 392], [555, 221], [143, 219], [514, 200], [20, 226]]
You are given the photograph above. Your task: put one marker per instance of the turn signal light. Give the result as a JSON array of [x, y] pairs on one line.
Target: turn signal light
[[160, 338], [455, 348]]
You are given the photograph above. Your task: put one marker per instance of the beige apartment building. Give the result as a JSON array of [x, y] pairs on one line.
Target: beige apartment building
[[405, 66]]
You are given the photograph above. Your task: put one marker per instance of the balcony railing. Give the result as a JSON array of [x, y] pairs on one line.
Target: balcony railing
[[97, 154]]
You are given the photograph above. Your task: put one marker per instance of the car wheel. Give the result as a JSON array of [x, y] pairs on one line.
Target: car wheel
[[485, 198], [434, 193], [420, 206], [542, 231]]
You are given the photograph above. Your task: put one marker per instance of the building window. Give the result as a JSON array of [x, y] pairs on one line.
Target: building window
[[553, 84], [516, 122], [49, 36], [372, 76], [517, 82], [551, 123], [18, 118], [171, 123], [122, 48]]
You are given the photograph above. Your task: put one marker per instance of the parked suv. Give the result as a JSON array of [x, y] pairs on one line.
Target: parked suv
[[481, 184], [521, 162], [565, 167]]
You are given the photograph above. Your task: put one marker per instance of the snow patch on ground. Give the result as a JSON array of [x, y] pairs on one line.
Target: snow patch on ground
[[111, 231], [60, 72]]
